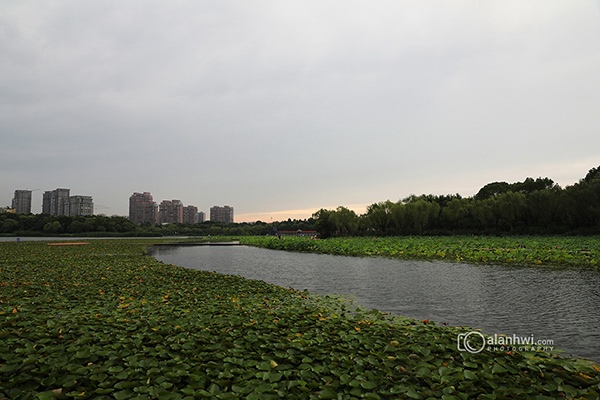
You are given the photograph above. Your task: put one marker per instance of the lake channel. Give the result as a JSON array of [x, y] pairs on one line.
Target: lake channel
[[562, 305]]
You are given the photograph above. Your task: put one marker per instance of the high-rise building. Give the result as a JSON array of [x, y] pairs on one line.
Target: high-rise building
[[46, 202], [201, 217], [81, 205], [170, 212], [60, 202], [56, 202], [143, 209], [190, 215], [21, 203], [221, 214]]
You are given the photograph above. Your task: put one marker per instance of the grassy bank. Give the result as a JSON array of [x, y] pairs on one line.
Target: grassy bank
[[577, 251], [104, 320]]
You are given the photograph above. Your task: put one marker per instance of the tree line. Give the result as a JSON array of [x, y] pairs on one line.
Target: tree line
[[534, 206], [101, 225]]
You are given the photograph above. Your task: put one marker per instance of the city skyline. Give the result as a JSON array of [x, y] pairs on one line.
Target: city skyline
[[56, 202], [284, 215], [285, 108]]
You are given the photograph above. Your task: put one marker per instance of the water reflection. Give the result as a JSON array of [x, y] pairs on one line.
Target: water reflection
[[557, 304]]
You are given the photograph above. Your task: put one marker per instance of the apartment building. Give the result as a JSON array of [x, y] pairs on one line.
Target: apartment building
[[56, 202], [221, 214], [60, 202], [143, 208], [190, 215], [80, 205], [21, 203], [170, 212]]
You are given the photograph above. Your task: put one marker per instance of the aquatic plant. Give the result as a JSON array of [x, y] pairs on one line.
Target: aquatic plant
[[105, 320], [576, 251]]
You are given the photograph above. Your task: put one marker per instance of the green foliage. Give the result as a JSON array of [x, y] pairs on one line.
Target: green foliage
[[44, 224], [492, 189], [52, 228], [104, 320], [530, 207], [100, 225], [345, 220], [528, 186], [378, 217], [524, 250], [326, 224]]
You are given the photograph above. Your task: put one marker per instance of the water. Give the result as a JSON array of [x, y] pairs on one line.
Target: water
[[562, 305]]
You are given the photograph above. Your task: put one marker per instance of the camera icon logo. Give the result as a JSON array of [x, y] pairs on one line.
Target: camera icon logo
[[473, 342]]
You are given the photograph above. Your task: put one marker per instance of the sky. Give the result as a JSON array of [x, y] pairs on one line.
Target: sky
[[280, 108]]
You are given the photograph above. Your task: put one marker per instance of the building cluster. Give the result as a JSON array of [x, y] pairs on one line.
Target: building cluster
[[54, 202], [144, 210], [60, 202]]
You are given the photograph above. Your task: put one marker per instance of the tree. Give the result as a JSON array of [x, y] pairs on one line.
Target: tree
[[53, 227], [491, 190], [592, 174], [76, 227], [420, 215], [345, 220], [582, 204], [27, 222], [510, 208], [483, 212], [325, 223], [529, 185], [457, 213], [9, 226], [379, 217], [542, 208]]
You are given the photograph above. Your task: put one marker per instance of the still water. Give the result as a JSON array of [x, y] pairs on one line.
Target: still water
[[552, 304]]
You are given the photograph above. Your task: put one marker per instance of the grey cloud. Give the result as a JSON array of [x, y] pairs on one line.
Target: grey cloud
[[271, 106]]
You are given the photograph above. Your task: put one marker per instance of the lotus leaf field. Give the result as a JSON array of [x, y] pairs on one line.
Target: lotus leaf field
[[574, 251], [105, 320]]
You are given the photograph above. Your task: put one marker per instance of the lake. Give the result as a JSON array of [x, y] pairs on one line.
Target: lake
[[562, 305]]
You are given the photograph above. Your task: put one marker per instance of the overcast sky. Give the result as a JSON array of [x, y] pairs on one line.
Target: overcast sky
[[279, 108]]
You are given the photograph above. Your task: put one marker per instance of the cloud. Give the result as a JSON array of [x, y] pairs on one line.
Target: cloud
[[274, 106]]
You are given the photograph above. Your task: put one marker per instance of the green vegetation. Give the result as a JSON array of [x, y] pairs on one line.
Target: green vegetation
[[104, 320], [115, 226], [577, 251], [530, 207], [44, 224]]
